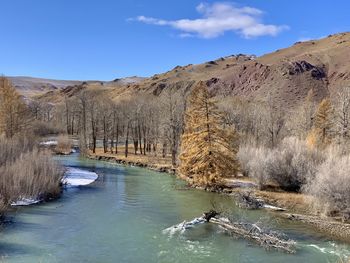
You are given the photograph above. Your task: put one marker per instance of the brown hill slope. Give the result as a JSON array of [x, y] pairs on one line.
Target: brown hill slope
[[28, 86], [287, 75]]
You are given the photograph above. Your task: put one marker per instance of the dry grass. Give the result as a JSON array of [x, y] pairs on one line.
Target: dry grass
[[293, 202], [289, 165], [150, 159], [344, 260], [26, 172], [41, 128], [33, 174], [331, 185], [64, 144]]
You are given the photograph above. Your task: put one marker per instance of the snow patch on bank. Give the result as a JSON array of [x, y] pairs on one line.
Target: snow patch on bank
[[74, 177], [275, 208], [26, 202], [49, 143]]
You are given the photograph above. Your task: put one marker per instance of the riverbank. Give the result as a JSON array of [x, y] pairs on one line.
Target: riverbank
[[295, 207], [154, 163]]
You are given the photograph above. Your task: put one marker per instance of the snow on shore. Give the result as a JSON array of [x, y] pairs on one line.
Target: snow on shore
[[26, 202], [74, 177], [49, 143]]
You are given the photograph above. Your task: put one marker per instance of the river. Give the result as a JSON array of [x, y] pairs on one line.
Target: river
[[120, 218]]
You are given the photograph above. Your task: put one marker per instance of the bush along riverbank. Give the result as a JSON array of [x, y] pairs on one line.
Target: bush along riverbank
[[246, 192], [27, 174]]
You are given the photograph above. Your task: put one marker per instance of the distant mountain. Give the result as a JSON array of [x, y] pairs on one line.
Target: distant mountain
[[287, 75], [28, 86]]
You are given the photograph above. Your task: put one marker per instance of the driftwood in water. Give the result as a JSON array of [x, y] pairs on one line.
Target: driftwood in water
[[209, 215], [247, 200], [252, 232]]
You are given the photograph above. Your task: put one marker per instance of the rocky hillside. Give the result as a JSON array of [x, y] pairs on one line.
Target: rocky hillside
[[286, 75]]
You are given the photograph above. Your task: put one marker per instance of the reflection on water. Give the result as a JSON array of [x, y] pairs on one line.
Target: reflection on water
[[120, 218]]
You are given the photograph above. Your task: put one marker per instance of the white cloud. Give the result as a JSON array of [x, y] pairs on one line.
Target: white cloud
[[218, 18]]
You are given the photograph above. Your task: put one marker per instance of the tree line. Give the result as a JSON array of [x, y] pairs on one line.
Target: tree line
[[208, 138], [151, 125]]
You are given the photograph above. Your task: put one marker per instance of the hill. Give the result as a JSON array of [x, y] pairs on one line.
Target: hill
[[286, 75]]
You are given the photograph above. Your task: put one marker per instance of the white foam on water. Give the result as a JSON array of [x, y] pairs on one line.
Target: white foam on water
[[334, 249], [180, 228]]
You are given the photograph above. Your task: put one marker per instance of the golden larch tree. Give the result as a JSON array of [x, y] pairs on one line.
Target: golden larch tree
[[12, 109], [208, 149], [321, 133]]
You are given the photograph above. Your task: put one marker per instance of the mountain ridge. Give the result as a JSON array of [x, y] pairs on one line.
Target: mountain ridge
[[286, 75]]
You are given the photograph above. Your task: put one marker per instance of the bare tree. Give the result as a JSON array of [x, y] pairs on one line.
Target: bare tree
[[173, 122], [273, 119], [302, 118], [342, 114]]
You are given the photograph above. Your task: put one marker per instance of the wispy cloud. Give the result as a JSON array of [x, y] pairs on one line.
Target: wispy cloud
[[218, 18]]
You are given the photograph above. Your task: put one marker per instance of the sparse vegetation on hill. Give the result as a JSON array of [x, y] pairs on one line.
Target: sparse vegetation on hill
[[287, 74]]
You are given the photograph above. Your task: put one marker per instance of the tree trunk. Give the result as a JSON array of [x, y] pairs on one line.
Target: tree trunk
[[164, 149], [127, 142]]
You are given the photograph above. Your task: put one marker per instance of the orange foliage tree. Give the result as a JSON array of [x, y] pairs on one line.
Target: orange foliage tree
[[321, 134], [208, 149], [12, 109]]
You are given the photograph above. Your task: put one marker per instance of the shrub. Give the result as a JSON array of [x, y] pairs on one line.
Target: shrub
[[64, 144], [26, 172], [331, 185], [253, 163], [292, 163], [41, 128], [11, 149], [288, 165]]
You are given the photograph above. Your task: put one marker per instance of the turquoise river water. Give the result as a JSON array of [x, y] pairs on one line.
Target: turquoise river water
[[120, 218]]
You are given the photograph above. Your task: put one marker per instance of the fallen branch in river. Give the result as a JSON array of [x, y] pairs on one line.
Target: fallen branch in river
[[265, 238], [248, 200]]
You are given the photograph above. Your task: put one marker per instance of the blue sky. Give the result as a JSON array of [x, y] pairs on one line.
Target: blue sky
[[108, 39]]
